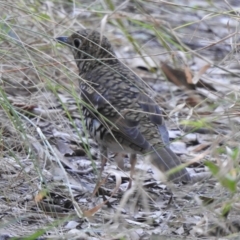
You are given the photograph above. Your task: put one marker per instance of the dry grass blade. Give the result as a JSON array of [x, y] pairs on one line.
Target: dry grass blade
[[49, 165]]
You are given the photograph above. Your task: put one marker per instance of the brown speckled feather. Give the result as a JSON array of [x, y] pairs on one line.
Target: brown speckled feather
[[118, 112]]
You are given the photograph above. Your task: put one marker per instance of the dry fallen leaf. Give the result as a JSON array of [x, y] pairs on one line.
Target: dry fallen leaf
[[197, 76]]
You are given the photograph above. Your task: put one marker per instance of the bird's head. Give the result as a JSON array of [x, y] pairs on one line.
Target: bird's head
[[90, 47]]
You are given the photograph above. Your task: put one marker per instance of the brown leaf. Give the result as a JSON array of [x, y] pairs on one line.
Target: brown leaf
[[201, 147], [92, 211], [184, 77], [193, 100], [176, 76], [188, 75], [40, 195], [197, 76]]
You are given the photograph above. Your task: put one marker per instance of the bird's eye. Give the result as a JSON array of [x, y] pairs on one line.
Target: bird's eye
[[76, 42]]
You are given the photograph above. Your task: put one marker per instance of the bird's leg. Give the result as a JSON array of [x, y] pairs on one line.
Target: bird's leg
[[104, 156], [133, 160], [119, 160]]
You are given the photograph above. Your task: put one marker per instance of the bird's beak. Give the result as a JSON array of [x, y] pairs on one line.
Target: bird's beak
[[63, 40]]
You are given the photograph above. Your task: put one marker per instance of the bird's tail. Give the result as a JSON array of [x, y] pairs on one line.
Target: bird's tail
[[165, 159]]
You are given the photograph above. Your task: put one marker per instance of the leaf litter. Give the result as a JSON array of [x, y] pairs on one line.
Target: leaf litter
[[49, 165]]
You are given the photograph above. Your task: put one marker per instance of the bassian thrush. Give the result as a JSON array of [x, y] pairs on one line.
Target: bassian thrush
[[117, 110]]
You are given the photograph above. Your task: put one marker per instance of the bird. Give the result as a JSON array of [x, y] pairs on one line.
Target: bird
[[118, 112]]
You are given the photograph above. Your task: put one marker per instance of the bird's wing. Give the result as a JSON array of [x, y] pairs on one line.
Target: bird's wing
[[126, 122], [114, 119], [152, 110]]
